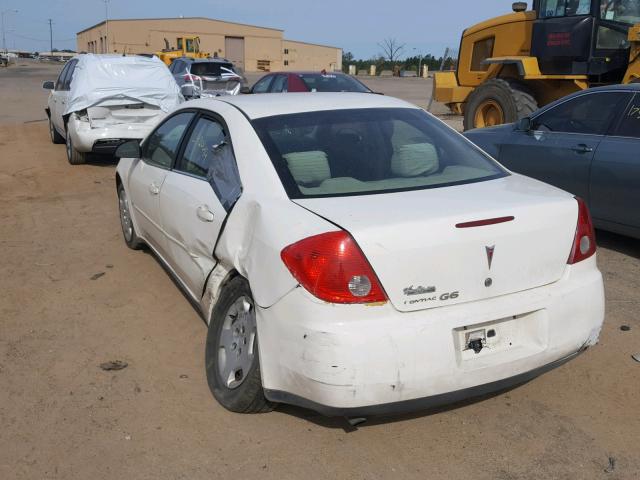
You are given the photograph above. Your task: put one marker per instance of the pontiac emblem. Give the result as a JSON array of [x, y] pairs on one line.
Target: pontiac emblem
[[490, 251]]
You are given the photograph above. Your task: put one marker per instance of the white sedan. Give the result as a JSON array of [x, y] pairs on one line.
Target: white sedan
[[354, 255]]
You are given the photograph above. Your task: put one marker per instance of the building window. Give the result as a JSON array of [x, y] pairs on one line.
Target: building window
[[286, 62], [264, 65], [286, 51]]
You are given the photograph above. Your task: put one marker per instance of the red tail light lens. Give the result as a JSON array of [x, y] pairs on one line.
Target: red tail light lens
[[191, 78], [584, 243], [332, 267]]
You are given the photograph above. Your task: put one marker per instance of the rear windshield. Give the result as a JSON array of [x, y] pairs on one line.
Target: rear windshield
[[330, 82], [367, 151], [213, 69]]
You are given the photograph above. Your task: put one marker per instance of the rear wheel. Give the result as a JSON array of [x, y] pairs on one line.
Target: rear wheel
[[231, 355], [75, 157], [53, 133], [498, 101]]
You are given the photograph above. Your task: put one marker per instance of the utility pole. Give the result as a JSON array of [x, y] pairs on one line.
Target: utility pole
[[50, 37], [106, 25], [4, 38]]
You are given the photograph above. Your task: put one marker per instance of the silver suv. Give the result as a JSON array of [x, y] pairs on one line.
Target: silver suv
[[206, 77]]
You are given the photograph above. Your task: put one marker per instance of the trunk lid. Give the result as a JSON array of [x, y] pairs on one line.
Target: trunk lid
[[135, 113], [424, 260]]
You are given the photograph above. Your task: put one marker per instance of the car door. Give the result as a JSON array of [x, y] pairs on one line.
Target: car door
[[561, 144], [147, 178], [615, 175], [195, 199], [58, 99]]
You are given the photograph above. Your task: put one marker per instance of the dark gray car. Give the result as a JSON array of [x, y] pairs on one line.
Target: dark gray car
[[588, 144], [206, 77]]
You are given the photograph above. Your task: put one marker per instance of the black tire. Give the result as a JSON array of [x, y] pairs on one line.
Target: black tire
[[248, 395], [53, 133], [514, 98], [73, 156], [128, 230]]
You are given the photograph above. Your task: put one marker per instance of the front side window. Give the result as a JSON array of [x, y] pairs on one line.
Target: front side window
[[263, 85], [630, 122], [621, 11], [589, 114], [208, 154], [372, 150], [69, 75], [60, 81], [279, 84], [332, 82], [482, 50], [564, 8], [162, 146]]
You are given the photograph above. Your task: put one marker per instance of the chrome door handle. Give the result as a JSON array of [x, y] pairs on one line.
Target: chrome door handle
[[582, 148], [154, 189], [204, 213]]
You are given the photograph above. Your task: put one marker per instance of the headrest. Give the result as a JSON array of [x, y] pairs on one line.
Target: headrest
[[308, 168], [415, 159]]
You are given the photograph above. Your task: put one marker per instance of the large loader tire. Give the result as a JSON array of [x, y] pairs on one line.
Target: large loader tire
[[498, 101]]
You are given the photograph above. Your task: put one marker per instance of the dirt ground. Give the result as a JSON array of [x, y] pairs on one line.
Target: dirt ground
[[72, 296]]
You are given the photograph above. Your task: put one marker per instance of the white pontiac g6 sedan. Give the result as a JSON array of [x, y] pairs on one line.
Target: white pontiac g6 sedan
[[354, 255]]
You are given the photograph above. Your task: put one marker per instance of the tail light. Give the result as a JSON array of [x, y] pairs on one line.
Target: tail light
[[584, 243], [332, 267], [191, 78]]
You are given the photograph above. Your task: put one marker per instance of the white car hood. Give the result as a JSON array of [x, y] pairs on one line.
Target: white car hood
[[117, 80]]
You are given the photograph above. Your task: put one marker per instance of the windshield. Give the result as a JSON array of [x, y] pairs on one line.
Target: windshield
[[622, 11], [212, 68], [331, 82], [365, 151]]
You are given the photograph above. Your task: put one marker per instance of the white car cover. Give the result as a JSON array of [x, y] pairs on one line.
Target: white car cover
[[120, 80]]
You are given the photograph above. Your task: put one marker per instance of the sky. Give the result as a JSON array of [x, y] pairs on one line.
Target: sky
[[356, 26]]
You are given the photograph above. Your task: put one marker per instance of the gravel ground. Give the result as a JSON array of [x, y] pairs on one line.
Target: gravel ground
[[72, 296]]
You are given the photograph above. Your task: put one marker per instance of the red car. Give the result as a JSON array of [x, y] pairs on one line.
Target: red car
[[281, 82]]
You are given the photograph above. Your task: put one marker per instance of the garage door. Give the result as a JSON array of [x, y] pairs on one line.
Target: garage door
[[234, 50]]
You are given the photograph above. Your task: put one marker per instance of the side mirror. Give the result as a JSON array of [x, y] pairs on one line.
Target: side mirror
[[519, 7], [48, 85], [524, 124], [245, 90], [128, 149]]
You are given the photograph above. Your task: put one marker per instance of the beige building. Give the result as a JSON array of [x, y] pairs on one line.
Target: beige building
[[250, 47]]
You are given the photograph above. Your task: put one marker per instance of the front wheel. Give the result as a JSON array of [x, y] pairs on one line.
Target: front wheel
[[231, 354], [53, 133], [498, 101], [128, 230]]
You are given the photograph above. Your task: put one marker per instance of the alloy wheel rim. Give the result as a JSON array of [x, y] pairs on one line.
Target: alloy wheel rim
[[125, 217], [236, 343], [488, 114], [51, 131], [68, 142]]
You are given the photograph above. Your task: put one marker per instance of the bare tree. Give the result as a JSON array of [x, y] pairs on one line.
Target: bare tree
[[391, 49]]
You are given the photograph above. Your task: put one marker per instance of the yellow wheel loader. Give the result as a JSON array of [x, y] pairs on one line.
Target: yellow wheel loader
[[186, 47], [511, 65]]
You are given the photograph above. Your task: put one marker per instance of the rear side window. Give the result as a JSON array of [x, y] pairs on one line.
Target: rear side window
[[482, 50], [279, 84], [586, 114], [208, 154], [629, 125], [163, 144], [366, 151]]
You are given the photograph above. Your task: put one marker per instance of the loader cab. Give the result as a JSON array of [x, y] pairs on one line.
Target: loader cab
[[584, 37]]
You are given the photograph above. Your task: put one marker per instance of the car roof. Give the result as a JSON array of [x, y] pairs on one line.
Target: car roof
[[270, 104], [204, 60], [306, 72]]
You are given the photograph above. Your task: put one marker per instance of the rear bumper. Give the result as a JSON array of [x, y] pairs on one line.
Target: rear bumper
[[104, 140], [419, 404], [355, 359]]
